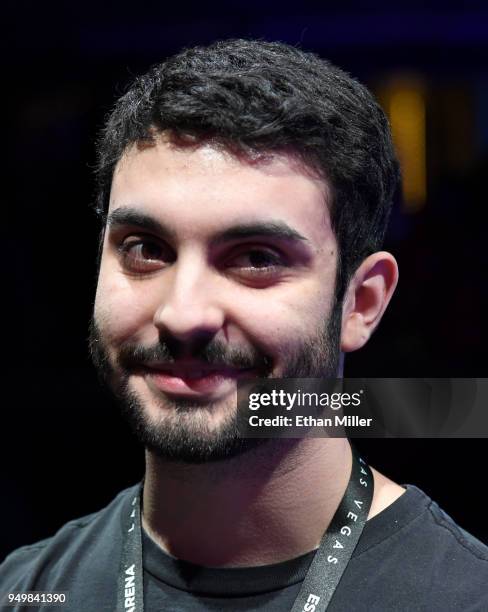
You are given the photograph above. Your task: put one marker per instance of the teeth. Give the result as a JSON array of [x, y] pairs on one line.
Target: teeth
[[194, 374], [188, 373]]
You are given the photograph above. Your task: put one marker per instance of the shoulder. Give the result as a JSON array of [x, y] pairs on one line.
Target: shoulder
[[458, 547], [423, 556], [447, 536], [454, 561], [84, 542]]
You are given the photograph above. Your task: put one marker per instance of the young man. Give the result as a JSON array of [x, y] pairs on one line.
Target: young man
[[245, 190]]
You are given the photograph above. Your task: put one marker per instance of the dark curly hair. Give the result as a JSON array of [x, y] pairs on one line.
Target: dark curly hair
[[252, 96]]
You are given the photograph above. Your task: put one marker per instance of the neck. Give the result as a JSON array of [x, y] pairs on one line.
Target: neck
[[266, 506]]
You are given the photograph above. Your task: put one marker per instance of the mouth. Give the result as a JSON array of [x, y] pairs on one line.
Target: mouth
[[195, 379]]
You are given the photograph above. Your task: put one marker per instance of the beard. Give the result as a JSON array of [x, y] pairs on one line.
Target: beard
[[183, 433]]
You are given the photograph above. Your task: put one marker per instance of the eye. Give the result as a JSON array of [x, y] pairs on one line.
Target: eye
[[145, 255], [257, 262]]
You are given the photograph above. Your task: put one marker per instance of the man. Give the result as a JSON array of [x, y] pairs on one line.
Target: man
[[245, 190]]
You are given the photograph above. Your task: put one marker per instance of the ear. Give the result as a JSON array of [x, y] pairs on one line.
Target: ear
[[367, 297]]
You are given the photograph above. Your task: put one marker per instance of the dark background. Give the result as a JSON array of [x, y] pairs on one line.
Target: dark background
[[65, 451]]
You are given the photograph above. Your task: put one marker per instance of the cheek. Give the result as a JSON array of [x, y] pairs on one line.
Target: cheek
[[120, 312], [283, 319]]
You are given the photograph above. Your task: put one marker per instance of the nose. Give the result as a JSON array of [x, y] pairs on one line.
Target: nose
[[189, 307]]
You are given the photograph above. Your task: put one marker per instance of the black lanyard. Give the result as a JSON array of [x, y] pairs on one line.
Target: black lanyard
[[324, 573]]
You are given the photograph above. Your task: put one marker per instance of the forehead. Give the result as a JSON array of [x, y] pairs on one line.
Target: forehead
[[200, 189]]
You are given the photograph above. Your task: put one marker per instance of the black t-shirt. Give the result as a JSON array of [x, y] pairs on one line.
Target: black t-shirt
[[411, 556]]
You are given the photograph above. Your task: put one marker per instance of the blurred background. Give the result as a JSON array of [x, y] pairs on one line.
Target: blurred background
[[65, 450]]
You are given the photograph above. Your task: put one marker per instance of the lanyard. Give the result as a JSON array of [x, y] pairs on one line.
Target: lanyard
[[324, 573]]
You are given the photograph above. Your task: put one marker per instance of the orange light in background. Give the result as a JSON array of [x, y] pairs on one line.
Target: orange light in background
[[404, 102]]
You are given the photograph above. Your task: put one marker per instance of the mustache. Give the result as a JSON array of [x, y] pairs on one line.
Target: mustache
[[214, 353]]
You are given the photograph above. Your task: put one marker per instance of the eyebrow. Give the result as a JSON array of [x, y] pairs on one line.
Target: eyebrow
[[278, 230], [123, 217]]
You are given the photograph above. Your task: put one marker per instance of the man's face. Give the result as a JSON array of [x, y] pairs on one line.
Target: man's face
[[213, 268]]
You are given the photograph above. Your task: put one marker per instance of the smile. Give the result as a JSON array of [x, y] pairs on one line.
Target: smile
[[196, 371], [195, 379]]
